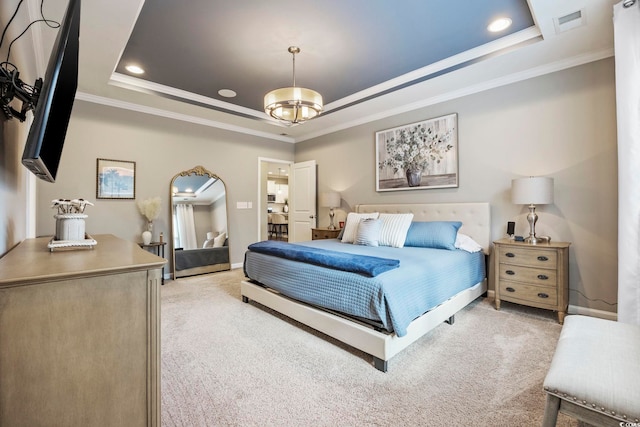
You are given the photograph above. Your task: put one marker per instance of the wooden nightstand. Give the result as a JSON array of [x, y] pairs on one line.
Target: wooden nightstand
[[533, 275], [324, 233]]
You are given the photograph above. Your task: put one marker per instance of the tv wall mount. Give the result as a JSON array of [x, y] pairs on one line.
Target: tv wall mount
[[11, 87]]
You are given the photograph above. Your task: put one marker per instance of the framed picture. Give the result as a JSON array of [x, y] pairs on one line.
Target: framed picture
[[115, 179], [418, 156]]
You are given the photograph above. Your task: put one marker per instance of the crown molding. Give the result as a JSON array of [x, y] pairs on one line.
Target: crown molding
[[464, 91]]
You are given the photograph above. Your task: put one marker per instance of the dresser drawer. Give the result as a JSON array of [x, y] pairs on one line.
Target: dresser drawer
[[530, 275], [534, 258], [528, 293]]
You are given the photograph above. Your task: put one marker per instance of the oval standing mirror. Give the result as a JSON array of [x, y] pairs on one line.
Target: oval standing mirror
[[199, 223]]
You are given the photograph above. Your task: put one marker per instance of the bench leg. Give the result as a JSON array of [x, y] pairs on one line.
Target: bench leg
[[551, 411]]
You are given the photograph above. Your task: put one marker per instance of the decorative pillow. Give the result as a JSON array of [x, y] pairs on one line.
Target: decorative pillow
[[394, 229], [433, 234], [466, 243], [351, 226], [208, 243], [368, 232], [218, 241]]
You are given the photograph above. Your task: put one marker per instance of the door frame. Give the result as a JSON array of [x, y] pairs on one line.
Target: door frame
[[262, 191]]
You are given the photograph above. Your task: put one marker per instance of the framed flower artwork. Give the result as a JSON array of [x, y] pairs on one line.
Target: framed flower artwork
[[419, 155]]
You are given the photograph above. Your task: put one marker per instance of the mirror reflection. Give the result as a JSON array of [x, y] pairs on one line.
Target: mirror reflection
[[199, 223]]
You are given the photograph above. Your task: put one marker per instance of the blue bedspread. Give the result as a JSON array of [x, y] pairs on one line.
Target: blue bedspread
[[362, 264], [426, 278]]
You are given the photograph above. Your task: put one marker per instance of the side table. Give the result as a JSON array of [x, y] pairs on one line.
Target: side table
[[533, 275], [158, 248]]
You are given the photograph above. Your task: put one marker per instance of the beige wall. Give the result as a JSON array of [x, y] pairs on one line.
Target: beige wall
[[14, 178], [561, 125], [161, 148]]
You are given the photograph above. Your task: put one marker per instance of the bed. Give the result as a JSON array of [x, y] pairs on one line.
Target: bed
[[383, 333], [200, 261]]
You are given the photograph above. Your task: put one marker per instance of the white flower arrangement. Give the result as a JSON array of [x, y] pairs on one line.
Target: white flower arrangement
[[150, 208], [68, 206], [413, 148]]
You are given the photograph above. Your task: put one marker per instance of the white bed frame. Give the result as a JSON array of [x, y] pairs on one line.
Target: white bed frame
[[383, 346]]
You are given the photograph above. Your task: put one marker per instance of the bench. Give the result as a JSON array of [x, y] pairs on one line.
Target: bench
[[595, 373]]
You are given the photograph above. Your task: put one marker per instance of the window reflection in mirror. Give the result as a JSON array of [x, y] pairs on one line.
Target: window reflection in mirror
[[200, 238]]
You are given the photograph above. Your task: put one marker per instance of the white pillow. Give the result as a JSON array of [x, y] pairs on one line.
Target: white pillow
[[466, 243], [208, 243], [394, 229], [351, 226], [368, 232], [218, 242]]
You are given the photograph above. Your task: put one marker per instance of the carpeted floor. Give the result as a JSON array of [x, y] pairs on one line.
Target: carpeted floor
[[228, 363]]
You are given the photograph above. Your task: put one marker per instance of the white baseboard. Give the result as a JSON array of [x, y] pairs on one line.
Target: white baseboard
[[609, 315], [237, 265]]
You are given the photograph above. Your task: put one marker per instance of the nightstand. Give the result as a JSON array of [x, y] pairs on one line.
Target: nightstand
[[324, 233], [533, 275]]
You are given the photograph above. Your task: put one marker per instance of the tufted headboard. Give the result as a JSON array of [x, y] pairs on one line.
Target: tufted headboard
[[475, 217]]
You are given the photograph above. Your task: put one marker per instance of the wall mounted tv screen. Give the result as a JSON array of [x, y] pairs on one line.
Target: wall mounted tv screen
[[43, 148]]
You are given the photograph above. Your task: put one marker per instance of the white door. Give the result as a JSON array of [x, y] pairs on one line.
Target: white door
[[302, 201]]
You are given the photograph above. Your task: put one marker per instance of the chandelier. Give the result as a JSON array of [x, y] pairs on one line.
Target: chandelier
[[293, 104]]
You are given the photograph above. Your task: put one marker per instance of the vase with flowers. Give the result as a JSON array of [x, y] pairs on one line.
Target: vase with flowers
[[410, 150], [150, 209]]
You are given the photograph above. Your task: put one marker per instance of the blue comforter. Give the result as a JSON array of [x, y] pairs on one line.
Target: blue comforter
[[362, 264], [426, 278]]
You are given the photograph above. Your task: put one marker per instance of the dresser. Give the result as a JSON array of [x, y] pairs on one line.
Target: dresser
[[80, 335], [532, 275], [324, 233]]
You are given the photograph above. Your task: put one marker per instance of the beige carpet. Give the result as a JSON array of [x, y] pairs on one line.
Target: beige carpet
[[225, 362]]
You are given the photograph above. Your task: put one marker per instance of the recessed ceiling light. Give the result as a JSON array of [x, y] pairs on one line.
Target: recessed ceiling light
[[227, 93], [499, 24], [134, 69]]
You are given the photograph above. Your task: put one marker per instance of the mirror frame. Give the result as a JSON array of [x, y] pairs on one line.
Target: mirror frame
[[199, 171]]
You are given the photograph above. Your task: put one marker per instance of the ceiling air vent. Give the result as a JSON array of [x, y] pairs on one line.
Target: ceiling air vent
[[570, 21]]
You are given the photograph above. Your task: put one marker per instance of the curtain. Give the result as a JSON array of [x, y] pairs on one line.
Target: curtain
[[185, 225], [627, 58]]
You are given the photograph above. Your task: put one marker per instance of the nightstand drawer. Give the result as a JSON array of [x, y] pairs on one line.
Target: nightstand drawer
[[530, 275], [528, 293], [531, 257], [324, 233]]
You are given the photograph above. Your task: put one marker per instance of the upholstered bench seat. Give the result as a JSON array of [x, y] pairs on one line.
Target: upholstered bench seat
[[595, 372]]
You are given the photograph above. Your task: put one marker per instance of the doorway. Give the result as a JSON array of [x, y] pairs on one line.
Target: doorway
[[274, 199]]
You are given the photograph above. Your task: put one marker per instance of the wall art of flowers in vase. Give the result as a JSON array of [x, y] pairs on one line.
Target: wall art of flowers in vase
[[150, 209], [418, 155]]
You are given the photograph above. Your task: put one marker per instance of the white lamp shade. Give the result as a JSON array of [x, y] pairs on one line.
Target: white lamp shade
[[532, 191], [330, 199]]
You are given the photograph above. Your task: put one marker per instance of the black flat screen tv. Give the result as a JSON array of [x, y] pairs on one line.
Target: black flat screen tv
[[43, 148]]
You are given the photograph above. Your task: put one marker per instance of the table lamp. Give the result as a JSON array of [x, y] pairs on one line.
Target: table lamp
[[330, 200], [532, 191]]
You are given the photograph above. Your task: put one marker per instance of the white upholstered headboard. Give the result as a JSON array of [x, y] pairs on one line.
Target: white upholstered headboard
[[475, 217]]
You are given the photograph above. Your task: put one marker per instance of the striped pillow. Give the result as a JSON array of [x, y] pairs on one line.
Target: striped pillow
[[368, 232], [351, 227], [394, 229]]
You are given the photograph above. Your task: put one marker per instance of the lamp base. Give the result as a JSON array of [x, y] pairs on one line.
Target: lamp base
[[532, 217], [332, 214]]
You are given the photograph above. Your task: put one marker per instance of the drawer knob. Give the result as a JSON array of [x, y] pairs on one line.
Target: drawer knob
[[543, 277], [543, 295], [510, 255], [543, 258], [510, 272], [510, 289]]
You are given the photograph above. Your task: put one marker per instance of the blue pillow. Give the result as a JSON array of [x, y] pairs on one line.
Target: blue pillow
[[433, 234], [368, 232]]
